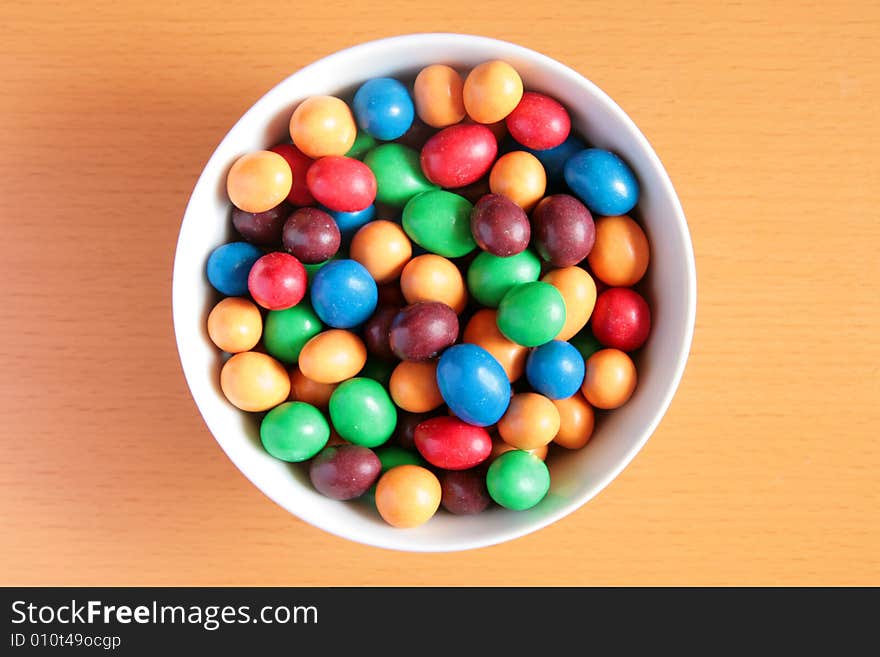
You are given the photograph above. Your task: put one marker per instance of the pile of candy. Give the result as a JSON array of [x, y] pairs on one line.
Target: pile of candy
[[413, 301]]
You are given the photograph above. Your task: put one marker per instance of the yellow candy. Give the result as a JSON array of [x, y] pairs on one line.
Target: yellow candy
[[383, 249], [413, 386], [519, 176], [578, 291], [491, 91], [530, 421], [576, 419], [408, 495], [332, 356], [323, 125], [235, 325], [610, 379], [254, 382], [621, 253], [438, 96], [258, 181], [431, 277]]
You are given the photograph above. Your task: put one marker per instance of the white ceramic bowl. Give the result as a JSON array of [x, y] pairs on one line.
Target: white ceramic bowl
[[577, 475]]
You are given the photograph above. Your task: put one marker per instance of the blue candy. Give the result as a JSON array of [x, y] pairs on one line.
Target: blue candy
[[602, 181], [344, 294], [229, 266], [473, 384], [554, 159], [349, 222], [383, 108], [555, 369]]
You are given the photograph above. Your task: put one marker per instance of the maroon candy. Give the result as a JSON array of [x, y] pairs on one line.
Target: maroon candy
[[344, 472], [463, 492], [377, 331], [261, 228], [500, 226], [422, 330], [563, 229], [311, 235]]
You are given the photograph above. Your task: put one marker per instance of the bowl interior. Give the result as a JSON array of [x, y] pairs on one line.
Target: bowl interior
[[577, 475]]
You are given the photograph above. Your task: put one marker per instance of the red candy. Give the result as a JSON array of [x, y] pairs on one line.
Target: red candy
[[277, 281], [621, 319], [451, 444], [299, 165], [459, 155], [539, 122], [342, 183]]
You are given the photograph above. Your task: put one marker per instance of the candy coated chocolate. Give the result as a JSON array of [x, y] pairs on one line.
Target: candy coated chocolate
[[500, 226], [464, 491], [564, 230], [459, 155], [451, 444], [311, 235], [422, 330], [263, 228], [377, 332], [344, 472]]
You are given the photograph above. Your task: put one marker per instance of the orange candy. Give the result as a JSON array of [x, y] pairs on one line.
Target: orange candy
[[610, 379], [323, 125], [254, 382], [482, 330], [491, 91], [576, 419], [438, 96], [621, 254], [332, 356], [531, 421], [258, 181], [578, 291], [235, 325], [383, 249], [431, 277], [413, 386], [519, 176], [311, 392], [499, 447], [407, 496]]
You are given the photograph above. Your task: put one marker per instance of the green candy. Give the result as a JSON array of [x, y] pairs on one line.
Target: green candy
[[398, 174], [362, 144], [440, 222], [531, 314], [294, 431], [518, 480], [586, 343], [391, 456], [489, 277], [312, 269], [286, 331], [362, 412], [378, 370]]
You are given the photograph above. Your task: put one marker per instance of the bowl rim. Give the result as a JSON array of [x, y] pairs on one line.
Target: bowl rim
[[597, 94]]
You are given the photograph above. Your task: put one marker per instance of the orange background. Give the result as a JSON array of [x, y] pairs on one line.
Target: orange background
[[765, 469]]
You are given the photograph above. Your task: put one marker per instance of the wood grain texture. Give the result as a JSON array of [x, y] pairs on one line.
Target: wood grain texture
[[764, 471]]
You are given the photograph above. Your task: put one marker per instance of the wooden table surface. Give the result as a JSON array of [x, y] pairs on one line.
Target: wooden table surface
[[764, 470]]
